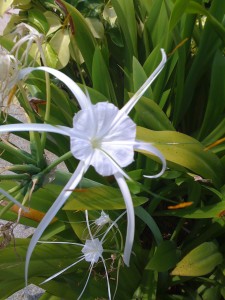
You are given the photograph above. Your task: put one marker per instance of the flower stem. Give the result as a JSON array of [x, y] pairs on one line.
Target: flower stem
[[56, 162]]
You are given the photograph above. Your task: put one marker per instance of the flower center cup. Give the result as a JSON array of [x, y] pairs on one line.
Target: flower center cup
[[101, 135], [92, 250]]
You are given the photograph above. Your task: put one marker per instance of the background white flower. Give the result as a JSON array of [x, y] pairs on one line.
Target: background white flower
[[92, 251]]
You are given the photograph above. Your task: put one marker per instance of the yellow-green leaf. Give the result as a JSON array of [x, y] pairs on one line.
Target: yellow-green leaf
[[184, 151], [200, 261], [98, 198]]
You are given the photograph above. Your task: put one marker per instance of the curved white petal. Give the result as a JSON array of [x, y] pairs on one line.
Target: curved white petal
[[88, 224], [35, 127], [111, 225], [149, 148], [9, 197], [131, 103], [130, 217], [62, 271], [82, 99], [65, 243], [91, 267], [63, 196], [107, 278]]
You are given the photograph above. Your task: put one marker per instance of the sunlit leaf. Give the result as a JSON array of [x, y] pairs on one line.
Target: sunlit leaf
[[200, 261]]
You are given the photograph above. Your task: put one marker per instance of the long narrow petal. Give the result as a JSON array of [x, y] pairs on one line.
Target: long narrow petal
[[149, 148], [35, 127], [91, 267], [63, 196], [9, 197], [111, 225], [88, 224], [82, 99], [107, 278], [130, 217], [62, 271], [64, 243], [131, 103]]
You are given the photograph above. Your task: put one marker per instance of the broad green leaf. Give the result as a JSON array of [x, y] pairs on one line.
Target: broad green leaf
[[4, 5], [177, 12], [126, 18], [194, 7], [47, 296], [101, 77], [46, 260], [53, 21], [149, 221], [167, 251], [50, 56], [214, 113], [139, 77], [82, 35], [38, 20], [60, 44], [99, 198], [96, 27], [200, 261], [184, 151], [208, 46], [152, 115]]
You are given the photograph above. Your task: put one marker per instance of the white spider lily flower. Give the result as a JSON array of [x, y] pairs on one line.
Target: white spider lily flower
[[102, 136], [103, 219], [9, 74], [92, 251], [98, 225], [26, 34]]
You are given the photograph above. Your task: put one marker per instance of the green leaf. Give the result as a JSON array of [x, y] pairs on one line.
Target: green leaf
[[149, 221], [101, 77], [126, 18], [194, 7], [184, 151], [38, 20], [53, 21], [167, 251], [152, 115], [82, 37], [4, 5], [47, 296], [99, 198], [200, 261], [215, 107], [47, 259], [50, 56], [177, 12], [60, 44]]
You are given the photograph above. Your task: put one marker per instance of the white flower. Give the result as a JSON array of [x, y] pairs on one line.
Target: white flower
[[26, 34], [102, 136], [103, 219], [92, 251], [9, 73]]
